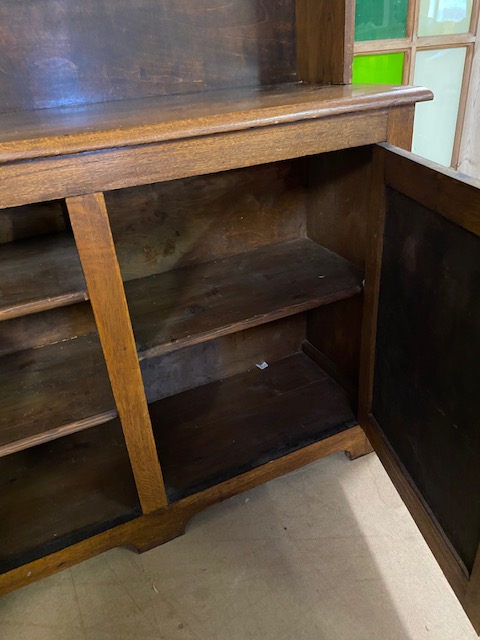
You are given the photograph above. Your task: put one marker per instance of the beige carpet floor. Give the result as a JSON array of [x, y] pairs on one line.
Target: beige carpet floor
[[326, 553]]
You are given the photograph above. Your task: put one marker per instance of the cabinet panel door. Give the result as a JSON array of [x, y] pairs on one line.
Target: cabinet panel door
[[420, 380]]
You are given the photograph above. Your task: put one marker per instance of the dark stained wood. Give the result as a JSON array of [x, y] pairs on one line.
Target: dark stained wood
[[148, 531], [221, 358], [374, 226], [325, 40], [443, 190], [177, 223], [53, 132], [335, 330], [446, 192], [39, 274], [49, 392], [59, 493], [429, 313], [339, 193], [112, 50], [216, 431], [442, 550], [31, 221], [94, 240], [198, 303], [49, 327]]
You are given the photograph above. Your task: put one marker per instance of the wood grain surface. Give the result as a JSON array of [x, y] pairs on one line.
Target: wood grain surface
[[62, 53], [94, 241], [209, 217], [441, 189], [204, 301], [39, 274], [49, 392], [51, 132], [325, 40]]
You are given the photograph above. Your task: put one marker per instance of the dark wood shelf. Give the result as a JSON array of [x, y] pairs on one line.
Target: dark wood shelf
[[219, 430], [62, 492], [198, 303], [67, 130], [50, 392], [40, 274]]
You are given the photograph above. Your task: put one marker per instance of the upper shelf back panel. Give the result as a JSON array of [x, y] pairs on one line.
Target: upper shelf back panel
[[65, 52]]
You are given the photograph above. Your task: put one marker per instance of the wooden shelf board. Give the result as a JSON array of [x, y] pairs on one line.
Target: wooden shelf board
[[59, 131], [222, 429], [52, 391], [198, 303], [62, 492], [40, 274]]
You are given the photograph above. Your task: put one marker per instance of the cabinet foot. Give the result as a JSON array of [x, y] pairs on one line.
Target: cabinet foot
[[359, 448]]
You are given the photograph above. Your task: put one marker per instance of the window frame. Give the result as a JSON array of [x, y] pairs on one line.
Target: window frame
[[413, 43]]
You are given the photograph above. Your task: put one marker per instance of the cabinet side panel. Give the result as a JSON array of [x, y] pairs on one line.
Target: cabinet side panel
[[62, 52], [425, 393], [339, 197]]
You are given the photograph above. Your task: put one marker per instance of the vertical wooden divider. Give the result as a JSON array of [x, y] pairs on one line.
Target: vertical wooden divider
[[91, 228], [325, 40]]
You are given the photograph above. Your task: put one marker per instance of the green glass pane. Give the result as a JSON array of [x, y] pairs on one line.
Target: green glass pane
[[439, 17], [435, 122], [385, 68], [380, 19]]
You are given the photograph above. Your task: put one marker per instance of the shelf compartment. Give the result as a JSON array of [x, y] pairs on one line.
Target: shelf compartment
[[40, 274], [52, 391], [219, 430], [59, 493], [201, 302]]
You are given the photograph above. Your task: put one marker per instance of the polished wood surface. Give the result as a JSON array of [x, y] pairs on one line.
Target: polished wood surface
[[49, 392], [52, 132], [94, 241], [62, 53], [194, 304], [325, 40]]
